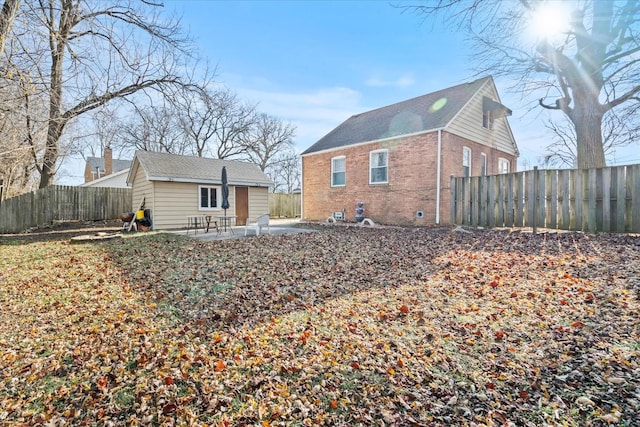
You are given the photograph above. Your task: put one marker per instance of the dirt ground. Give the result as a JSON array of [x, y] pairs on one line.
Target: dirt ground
[[62, 231]]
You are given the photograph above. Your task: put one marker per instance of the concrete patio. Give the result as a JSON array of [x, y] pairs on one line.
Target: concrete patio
[[277, 226]]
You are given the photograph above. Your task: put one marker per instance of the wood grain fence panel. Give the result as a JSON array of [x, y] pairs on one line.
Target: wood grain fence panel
[[564, 195], [552, 197], [62, 203], [453, 196], [520, 202], [510, 200], [474, 196], [605, 200], [590, 192], [541, 208], [634, 194]]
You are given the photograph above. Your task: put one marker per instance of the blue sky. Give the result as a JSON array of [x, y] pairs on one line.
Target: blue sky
[[316, 63]]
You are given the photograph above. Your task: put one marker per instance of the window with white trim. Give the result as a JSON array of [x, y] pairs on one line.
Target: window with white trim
[[483, 164], [378, 166], [466, 161], [504, 166], [338, 171], [209, 197]]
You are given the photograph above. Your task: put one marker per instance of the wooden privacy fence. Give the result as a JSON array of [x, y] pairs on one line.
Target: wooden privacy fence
[[283, 205], [63, 203], [593, 200]]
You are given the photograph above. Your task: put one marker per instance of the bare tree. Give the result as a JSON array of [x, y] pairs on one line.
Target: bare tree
[[285, 171], [232, 120], [153, 128], [94, 53], [615, 133], [267, 139], [7, 16], [593, 68]]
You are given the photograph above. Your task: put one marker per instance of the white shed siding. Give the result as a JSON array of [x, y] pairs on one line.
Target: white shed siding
[[258, 202], [468, 124]]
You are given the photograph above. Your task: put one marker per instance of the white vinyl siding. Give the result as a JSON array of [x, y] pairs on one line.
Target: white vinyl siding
[[468, 124], [379, 167], [338, 171]]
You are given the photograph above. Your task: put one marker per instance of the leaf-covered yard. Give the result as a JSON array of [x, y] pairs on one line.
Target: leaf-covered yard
[[345, 326]]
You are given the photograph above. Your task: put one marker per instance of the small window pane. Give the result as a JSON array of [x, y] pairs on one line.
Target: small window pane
[[204, 197]]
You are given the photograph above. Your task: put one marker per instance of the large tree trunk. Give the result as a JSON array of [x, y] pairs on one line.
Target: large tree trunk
[[58, 43], [587, 119]]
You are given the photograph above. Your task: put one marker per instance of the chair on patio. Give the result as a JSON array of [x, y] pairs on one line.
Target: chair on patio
[[261, 222]]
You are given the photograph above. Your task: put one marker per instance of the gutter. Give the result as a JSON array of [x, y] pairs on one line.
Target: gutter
[[438, 172]]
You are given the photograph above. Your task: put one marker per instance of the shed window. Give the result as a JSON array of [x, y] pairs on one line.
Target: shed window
[[466, 161], [378, 165], [338, 171], [209, 197]]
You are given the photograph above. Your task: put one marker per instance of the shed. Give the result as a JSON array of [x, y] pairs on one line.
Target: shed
[[174, 187]]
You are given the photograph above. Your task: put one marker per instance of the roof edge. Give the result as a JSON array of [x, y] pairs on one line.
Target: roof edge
[[375, 141]]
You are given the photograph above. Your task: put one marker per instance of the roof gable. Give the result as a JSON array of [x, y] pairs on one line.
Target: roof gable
[[424, 113], [117, 164], [173, 167]]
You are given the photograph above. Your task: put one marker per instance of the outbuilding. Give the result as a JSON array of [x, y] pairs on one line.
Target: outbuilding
[[175, 187]]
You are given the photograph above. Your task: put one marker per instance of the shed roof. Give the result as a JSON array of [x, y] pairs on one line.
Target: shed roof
[[424, 113], [173, 167]]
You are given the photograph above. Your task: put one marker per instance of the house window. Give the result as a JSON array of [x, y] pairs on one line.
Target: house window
[[338, 171], [466, 161], [483, 164], [209, 197], [378, 165], [504, 166], [487, 119]]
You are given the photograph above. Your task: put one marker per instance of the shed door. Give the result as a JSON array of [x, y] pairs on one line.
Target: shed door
[[242, 205]]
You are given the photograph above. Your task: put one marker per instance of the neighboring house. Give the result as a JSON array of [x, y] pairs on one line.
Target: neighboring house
[[116, 179], [398, 159], [174, 187], [99, 167]]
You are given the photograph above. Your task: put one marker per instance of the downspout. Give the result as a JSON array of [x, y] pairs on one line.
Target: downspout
[[438, 166], [301, 188]]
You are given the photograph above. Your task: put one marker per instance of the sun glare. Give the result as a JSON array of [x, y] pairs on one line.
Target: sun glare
[[550, 20]]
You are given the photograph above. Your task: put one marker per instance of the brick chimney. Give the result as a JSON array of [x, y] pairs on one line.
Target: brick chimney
[[108, 161]]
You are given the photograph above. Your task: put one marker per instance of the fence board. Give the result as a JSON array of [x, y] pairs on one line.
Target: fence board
[[605, 199], [634, 194], [62, 203]]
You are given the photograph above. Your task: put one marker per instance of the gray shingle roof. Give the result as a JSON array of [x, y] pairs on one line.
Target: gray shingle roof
[[427, 112], [117, 164], [172, 167]]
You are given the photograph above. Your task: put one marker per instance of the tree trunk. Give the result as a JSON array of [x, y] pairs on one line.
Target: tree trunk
[[587, 119], [7, 16]]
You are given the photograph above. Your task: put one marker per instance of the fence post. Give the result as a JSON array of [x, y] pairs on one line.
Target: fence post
[[534, 202]]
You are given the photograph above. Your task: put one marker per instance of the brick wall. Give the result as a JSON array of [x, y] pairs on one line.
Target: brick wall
[[411, 186]]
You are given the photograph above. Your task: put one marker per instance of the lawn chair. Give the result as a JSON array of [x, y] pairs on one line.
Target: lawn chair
[[261, 222]]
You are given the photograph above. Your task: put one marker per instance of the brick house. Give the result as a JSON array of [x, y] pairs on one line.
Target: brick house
[[398, 159], [97, 169]]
